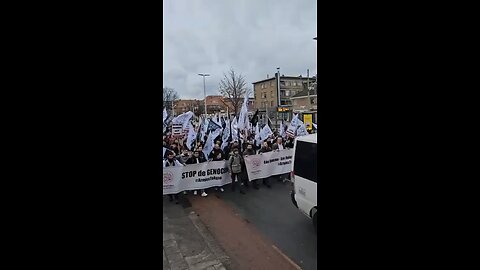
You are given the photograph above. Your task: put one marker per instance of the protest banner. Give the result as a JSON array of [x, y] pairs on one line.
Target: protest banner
[[195, 176], [269, 164], [216, 174]]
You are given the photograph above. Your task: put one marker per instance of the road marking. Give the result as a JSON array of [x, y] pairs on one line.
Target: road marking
[[286, 257]]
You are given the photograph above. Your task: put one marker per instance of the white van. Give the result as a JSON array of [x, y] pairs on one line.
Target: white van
[[304, 176]]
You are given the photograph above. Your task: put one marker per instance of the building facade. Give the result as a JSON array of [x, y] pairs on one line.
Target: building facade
[[305, 103], [184, 105], [273, 97]]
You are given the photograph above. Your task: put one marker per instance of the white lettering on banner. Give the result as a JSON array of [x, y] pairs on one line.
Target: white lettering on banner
[[268, 164], [195, 176]]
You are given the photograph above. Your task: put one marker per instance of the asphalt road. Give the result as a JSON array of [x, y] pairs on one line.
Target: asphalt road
[[271, 211]]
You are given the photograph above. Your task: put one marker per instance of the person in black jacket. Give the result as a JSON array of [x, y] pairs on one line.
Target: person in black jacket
[[201, 154], [265, 149], [248, 152], [289, 143], [215, 152], [197, 158]]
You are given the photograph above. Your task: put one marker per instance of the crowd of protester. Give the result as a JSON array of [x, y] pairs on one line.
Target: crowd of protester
[[178, 154]]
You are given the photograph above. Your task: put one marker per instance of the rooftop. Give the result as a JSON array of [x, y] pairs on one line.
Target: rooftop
[[284, 77]]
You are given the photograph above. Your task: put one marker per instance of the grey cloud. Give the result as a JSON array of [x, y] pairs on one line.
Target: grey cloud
[[253, 37]]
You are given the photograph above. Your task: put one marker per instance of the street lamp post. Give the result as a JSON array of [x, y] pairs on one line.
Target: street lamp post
[[204, 90]]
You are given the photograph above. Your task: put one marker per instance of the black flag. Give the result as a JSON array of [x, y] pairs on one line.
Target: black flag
[[223, 122], [255, 119]]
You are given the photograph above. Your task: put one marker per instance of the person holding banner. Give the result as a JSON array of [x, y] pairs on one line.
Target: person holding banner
[[202, 156], [248, 152], [215, 153], [171, 161], [265, 149], [277, 146], [235, 167], [184, 156], [197, 158]]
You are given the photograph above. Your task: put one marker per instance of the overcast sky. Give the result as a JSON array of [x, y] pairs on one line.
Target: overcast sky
[[253, 37]]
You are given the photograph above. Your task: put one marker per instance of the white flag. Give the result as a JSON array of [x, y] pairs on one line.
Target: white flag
[[243, 116], [302, 131], [314, 125], [165, 114], [257, 135], [209, 144], [234, 129], [292, 128], [183, 119], [266, 131], [192, 135]]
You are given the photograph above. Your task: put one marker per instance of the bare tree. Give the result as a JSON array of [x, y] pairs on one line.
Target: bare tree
[[233, 88], [169, 97]]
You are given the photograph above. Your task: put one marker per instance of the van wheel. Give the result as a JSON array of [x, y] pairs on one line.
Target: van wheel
[[315, 222]]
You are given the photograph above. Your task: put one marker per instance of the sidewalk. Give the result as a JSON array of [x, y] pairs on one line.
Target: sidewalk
[[187, 243]]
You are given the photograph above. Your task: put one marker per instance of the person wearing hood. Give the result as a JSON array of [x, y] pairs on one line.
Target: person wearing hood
[[171, 161]]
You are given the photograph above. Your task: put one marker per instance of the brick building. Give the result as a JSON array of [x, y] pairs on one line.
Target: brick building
[[273, 95], [215, 104], [184, 105]]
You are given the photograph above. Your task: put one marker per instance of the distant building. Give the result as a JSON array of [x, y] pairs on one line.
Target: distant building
[[273, 95], [184, 105], [215, 104], [301, 104]]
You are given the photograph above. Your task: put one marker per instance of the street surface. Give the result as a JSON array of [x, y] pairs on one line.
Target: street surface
[[259, 230]]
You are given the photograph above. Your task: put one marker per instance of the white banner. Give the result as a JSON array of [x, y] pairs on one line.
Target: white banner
[[215, 173], [195, 176], [267, 164]]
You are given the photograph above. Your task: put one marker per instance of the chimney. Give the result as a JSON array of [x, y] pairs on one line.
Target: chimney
[[267, 76]]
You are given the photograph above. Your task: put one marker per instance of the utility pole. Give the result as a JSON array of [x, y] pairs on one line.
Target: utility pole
[[308, 89], [204, 90]]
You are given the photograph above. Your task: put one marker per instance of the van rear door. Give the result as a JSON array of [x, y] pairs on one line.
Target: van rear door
[[305, 171]]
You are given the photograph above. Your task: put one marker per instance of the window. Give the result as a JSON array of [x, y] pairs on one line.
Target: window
[[288, 83], [287, 93], [271, 83], [282, 83], [271, 93], [306, 161], [264, 95], [271, 103]]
